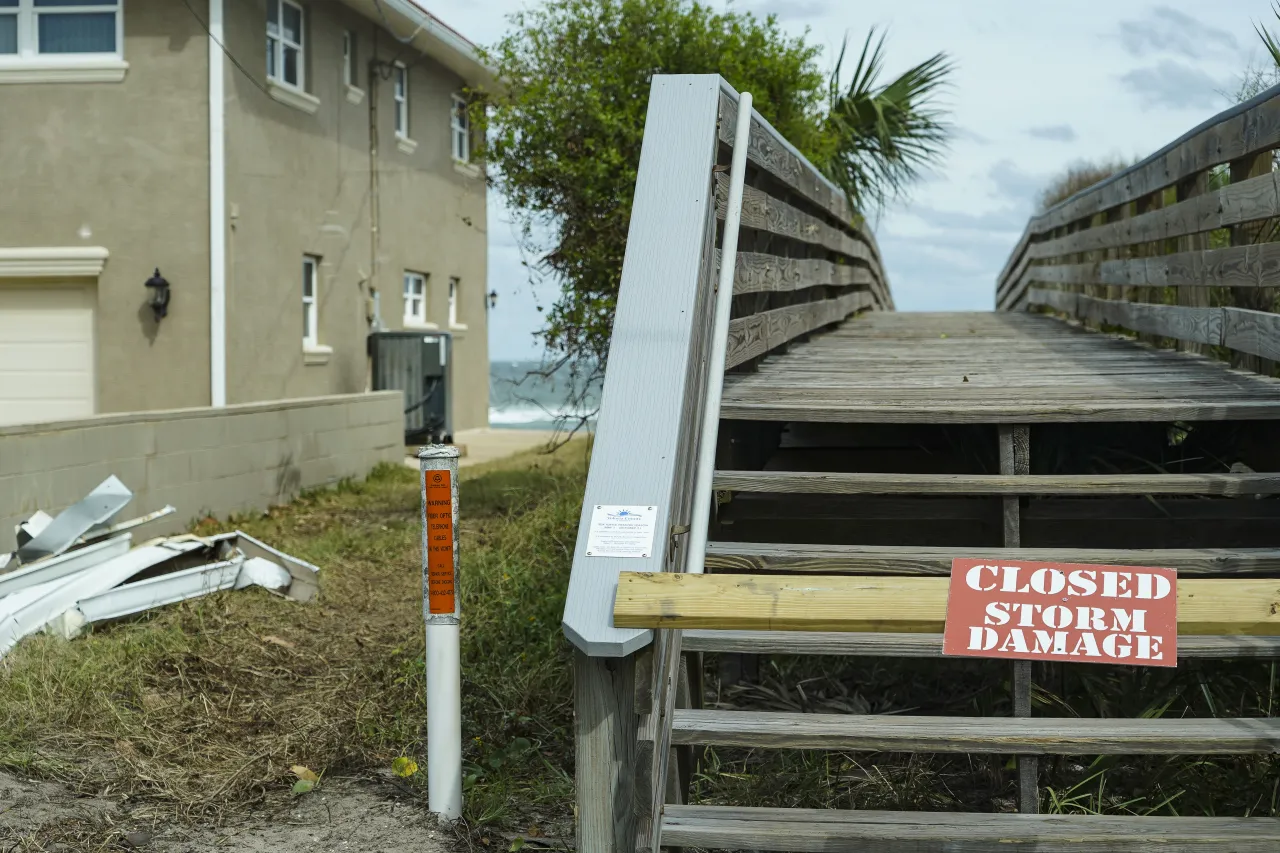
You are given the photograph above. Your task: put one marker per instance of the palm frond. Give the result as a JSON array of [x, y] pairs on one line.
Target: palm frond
[[884, 135], [1272, 45]]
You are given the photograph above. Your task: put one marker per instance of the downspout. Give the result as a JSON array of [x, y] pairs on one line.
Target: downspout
[[217, 212]]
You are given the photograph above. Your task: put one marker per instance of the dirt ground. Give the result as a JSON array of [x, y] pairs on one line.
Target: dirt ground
[[342, 815]]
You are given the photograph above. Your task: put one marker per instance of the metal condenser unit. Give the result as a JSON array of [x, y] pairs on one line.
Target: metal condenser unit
[[417, 364]]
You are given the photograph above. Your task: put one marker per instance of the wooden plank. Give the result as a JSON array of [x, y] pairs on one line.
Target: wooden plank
[[1253, 166], [1232, 134], [1193, 185], [766, 213], [1233, 204], [754, 335], [977, 735], [867, 831], [1200, 325], [1256, 265], [1015, 459], [663, 305], [836, 483], [770, 151], [605, 737], [907, 605], [1253, 332], [910, 560], [928, 645], [756, 272]]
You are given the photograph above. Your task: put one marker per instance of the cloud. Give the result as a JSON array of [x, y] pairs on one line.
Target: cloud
[[1054, 133], [1175, 85], [790, 10], [963, 133], [1015, 184], [998, 221], [1166, 30]]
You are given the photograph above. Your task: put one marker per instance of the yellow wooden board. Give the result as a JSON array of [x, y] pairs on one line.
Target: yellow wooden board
[[889, 604]]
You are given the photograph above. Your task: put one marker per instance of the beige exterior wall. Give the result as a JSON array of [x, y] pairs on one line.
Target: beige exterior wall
[[300, 184], [201, 461], [125, 165]]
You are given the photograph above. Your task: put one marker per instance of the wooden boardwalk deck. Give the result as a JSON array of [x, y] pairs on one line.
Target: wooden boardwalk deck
[[996, 367]]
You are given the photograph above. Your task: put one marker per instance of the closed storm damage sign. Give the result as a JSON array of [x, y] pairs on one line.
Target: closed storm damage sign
[[440, 581], [1062, 611]]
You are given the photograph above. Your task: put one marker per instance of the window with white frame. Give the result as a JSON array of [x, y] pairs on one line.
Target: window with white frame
[[454, 282], [415, 299], [350, 75], [460, 130], [310, 312], [285, 51], [400, 92], [33, 29]]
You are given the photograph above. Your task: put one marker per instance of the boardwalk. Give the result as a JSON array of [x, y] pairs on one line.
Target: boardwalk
[[801, 464], [984, 368]]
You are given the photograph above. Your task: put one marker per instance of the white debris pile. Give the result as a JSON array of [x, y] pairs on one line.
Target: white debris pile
[[78, 568]]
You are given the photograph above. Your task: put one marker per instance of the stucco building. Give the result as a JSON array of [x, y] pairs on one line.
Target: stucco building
[[286, 165]]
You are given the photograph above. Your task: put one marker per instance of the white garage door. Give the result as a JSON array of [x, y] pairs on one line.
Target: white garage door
[[46, 351]]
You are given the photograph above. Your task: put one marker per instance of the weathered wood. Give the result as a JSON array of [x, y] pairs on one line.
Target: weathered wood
[[837, 483], [1256, 265], [1193, 297], [754, 335], [866, 831], [756, 272], [1230, 135], [910, 560], [1015, 460], [927, 645], [1253, 332], [605, 737], [766, 213], [1253, 166], [1018, 736], [897, 604], [1201, 325], [767, 149]]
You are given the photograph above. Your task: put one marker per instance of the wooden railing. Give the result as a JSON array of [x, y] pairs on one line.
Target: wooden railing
[[1180, 249], [804, 261]]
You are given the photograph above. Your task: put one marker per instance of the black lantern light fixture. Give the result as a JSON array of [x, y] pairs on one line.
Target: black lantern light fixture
[[493, 298], [158, 288]]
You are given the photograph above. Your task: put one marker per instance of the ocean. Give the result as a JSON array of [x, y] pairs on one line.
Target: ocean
[[518, 400]]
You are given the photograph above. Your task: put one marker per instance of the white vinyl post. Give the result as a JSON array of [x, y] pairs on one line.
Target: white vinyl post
[[441, 610], [217, 211], [719, 343]]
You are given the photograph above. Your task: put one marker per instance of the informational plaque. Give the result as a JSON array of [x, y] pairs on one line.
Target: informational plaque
[[1025, 610], [621, 531], [440, 563]]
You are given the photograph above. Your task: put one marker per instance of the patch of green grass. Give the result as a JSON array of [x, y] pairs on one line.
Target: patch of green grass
[[199, 710]]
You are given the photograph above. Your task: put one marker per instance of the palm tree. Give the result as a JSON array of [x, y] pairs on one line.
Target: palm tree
[[881, 136]]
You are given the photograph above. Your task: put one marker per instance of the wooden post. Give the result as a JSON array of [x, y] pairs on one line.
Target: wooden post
[[1146, 204], [1197, 297], [1015, 458], [605, 732], [1256, 298]]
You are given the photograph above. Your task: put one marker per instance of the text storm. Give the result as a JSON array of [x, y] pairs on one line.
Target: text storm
[[1062, 611]]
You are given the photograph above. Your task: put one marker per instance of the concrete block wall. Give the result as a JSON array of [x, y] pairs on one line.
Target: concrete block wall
[[202, 461]]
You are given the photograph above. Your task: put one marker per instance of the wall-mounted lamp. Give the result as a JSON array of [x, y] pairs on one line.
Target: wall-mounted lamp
[[493, 298], [158, 288]]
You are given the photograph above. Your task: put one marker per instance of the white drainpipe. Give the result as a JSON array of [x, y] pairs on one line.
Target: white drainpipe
[[217, 212]]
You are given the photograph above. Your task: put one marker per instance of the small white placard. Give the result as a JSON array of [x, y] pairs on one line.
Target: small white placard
[[621, 531]]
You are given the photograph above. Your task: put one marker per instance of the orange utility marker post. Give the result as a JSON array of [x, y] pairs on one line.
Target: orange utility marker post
[[441, 610]]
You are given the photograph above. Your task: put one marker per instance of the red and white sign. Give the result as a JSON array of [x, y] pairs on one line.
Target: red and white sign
[[1062, 611]]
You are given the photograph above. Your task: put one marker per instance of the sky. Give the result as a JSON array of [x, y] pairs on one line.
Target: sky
[[1036, 87]]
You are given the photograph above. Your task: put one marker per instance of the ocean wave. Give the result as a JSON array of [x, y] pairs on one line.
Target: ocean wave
[[525, 415]]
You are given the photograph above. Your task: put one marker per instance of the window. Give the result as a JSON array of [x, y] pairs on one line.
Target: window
[[310, 315], [41, 28], [349, 69], [415, 299], [453, 301], [401, 95], [460, 127], [284, 43]]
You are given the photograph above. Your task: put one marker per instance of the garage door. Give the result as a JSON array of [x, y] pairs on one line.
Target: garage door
[[46, 351]]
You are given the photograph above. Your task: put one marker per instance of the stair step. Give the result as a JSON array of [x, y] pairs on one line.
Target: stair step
[[925, 645], [912, 560], [808, 482], [847, 831], [999, 735]]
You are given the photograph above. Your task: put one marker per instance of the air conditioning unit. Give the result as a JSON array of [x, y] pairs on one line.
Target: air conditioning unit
[[417, 364]]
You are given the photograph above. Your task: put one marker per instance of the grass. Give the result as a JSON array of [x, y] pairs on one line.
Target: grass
[[198, 711]]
